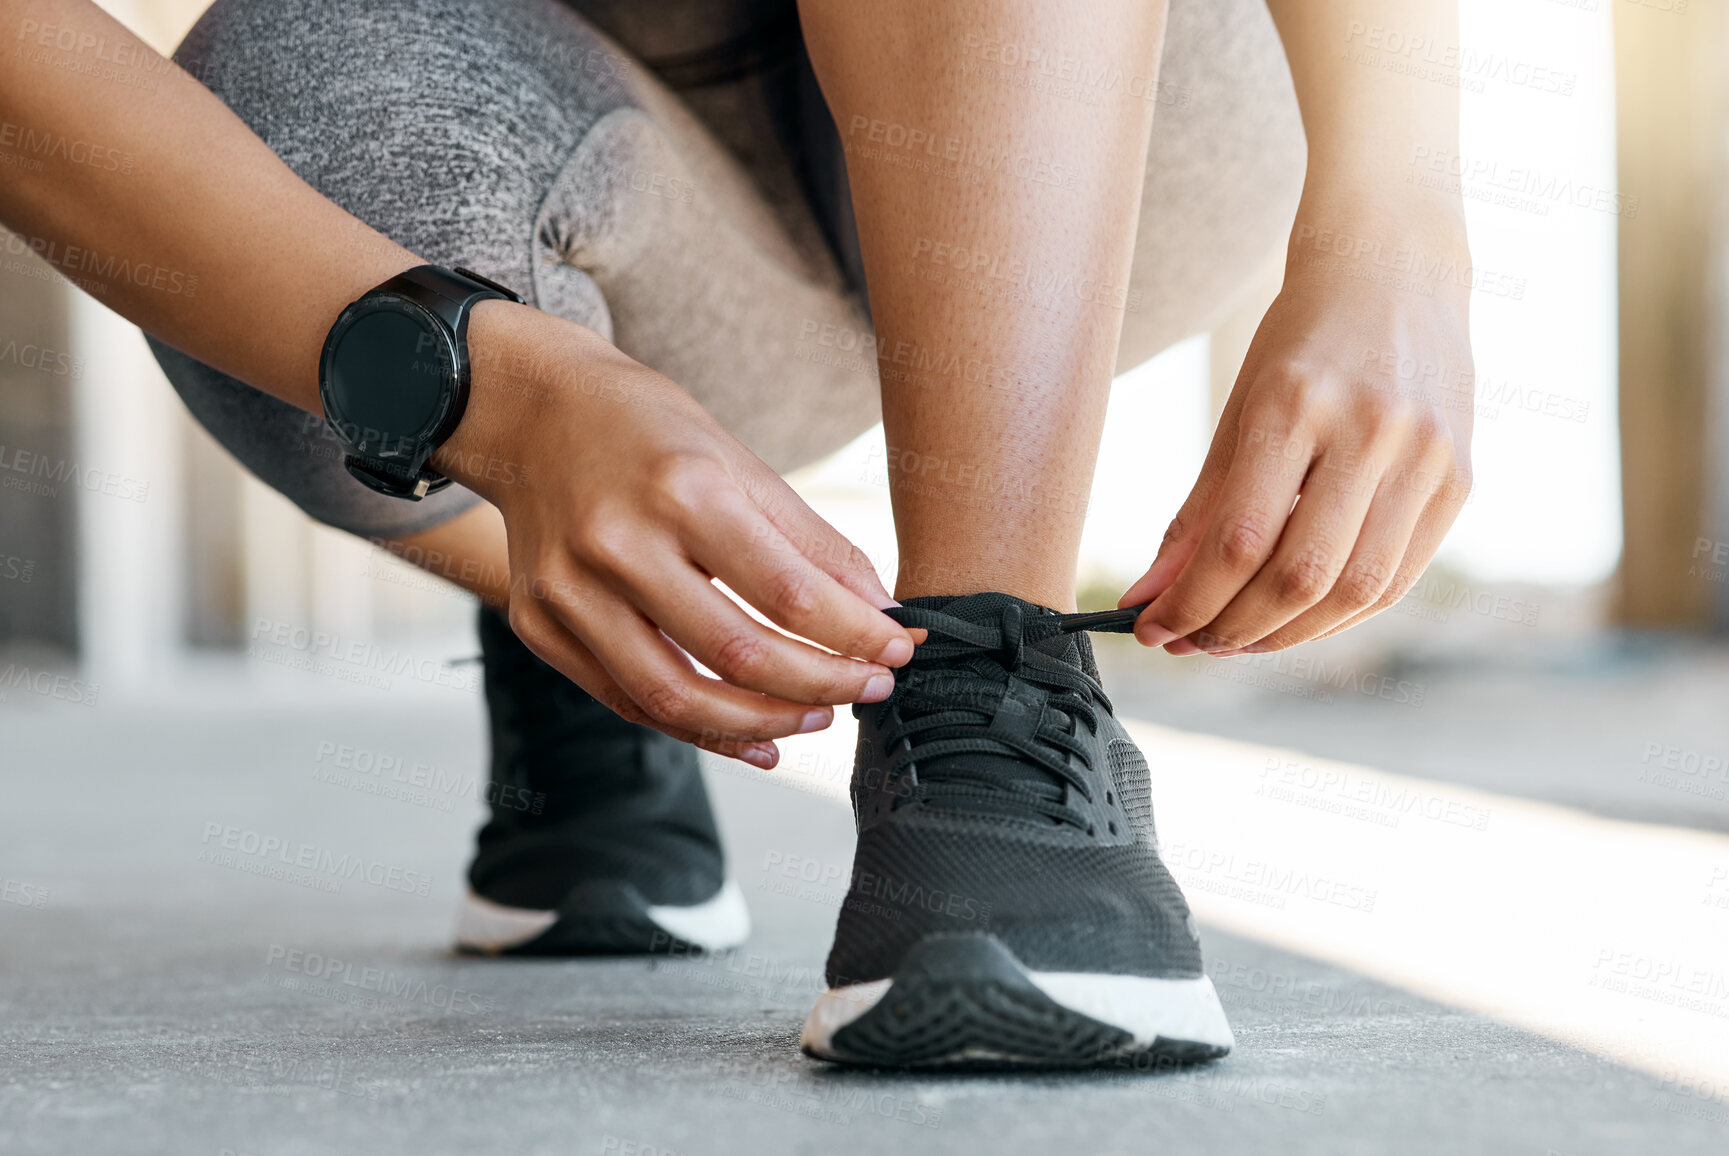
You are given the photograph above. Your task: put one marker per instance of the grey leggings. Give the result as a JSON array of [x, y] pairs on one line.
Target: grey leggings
[[664, 172]]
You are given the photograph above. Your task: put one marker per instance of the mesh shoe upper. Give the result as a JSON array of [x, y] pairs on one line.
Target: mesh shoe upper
[[995, 792], [579, 795]]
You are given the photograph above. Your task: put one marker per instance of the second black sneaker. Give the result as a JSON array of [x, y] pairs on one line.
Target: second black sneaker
[[1008, 906], [601, 839]]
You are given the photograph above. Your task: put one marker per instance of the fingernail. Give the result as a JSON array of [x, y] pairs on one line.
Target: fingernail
[[1183, 648], [764, 757], [879, 687], [1153, 634], [1258, 648], [815, 720], [1228, 653], [897, 652]]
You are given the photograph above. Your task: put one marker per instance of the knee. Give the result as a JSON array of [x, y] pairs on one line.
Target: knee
[[441, 123], [392, 76]]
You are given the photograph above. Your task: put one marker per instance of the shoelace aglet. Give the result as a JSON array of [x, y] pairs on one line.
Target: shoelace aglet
[[1104, 621]]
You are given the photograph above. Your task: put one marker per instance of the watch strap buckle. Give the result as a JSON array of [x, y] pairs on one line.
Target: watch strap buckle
[[376, 476]]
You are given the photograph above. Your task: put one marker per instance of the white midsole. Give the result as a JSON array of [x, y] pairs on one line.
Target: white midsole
[[716, 925], [713, 925], [482, 925], [1148, 1009]]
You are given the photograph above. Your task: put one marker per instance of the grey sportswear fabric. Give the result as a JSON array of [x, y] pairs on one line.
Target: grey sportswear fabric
[[705, 231]]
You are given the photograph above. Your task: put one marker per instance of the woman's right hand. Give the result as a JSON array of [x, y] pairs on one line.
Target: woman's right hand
[[634, 497], [622, 498]]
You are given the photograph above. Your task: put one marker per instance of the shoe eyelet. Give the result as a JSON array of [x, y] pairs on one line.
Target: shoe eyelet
[[1108, 799], [1113, 828]]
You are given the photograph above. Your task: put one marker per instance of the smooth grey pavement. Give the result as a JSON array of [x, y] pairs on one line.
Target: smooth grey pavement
[[169, 985]]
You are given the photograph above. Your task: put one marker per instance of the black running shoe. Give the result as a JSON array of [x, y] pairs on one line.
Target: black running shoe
[[1008, 906], [601, 839]]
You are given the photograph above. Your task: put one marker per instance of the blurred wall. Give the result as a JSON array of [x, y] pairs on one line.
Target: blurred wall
[[38, 513], [1673, 114]]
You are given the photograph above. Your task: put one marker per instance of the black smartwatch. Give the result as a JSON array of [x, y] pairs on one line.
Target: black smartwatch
[[394, 375]]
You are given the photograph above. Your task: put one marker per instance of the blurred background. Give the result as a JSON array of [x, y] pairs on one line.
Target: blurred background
[[1602, 495], [1559, 673]]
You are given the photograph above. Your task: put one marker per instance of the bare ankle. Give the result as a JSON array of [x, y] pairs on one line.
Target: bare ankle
[[919, 578]]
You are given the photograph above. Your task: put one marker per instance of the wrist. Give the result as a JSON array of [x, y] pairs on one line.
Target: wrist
[[526, 369], [1382, 233], [480, 452], [1366, 198]]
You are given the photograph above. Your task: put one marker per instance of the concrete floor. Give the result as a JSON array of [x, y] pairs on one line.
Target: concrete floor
[[158, 994]]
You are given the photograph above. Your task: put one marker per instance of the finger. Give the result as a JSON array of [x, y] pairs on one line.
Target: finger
[[1432, 526], [661, 681], [1381, 544], [826, 547], [1241, 533], [1313, 550], [557, 646], [719, 634], [775, 575]]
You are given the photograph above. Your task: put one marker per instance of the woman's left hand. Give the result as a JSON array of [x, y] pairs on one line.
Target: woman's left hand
[[1341, 459]]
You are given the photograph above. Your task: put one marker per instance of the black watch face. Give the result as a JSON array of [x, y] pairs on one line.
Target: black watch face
[[389, 375]]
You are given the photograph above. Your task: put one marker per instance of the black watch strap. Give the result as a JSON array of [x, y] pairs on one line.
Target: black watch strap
[[450, 295]]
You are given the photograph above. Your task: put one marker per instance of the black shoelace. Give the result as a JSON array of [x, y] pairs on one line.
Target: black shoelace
[[986, 723]]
